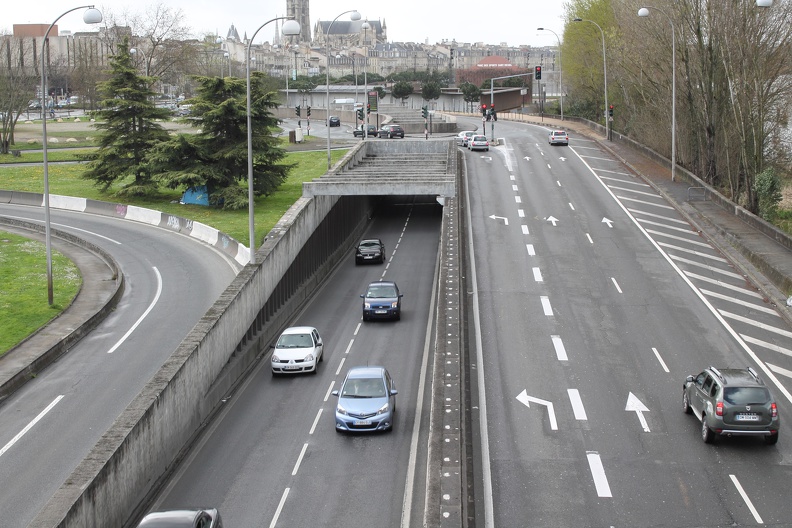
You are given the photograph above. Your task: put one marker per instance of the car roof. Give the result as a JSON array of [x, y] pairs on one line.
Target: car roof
[[742, 377], [559, 132], [384, 283], [298, 330], [371, 240], [171, 518], [365, 372]]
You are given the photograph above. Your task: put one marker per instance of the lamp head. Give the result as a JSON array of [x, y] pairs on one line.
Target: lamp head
[[764, 3], [218, 40], [539, 29], [291, 27], [643, 12], [354, 16], [367, 26], [133, 51], [92, 16]]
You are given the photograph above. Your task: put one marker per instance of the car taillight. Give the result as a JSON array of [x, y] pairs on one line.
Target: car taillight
[[719, 409], [773, 410]]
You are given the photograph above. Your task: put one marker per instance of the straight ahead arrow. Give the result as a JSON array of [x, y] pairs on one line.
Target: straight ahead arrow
[[552, 220], [608, 221]]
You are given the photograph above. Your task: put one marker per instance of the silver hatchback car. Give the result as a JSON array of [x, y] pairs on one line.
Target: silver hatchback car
[[366, 400]]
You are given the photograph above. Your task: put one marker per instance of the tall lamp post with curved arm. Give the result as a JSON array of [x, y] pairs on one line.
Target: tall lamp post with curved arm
[[90, 16], [365, 27], [353, 16], [604, 72], [644, 12], [135, 51], [560, 84], [290, 27]]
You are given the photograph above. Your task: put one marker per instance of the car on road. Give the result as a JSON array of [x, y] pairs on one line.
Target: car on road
[[334, 121], [209, 518], [366, 400], [478, 143], [731, 402], [298, 349], [463, 137], [370, 131], [382, 300], [370, 250], [391, 131], [558, 137]]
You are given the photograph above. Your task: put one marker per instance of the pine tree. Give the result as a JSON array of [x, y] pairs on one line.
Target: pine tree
[[216, 156], [129, 128]]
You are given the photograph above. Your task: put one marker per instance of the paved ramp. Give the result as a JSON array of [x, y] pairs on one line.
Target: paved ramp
[[392, 167]]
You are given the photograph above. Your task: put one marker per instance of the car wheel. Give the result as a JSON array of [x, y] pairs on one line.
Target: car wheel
[[390, 136], [771, 439], [321, 356], [706, 433], [382, 258], [686, 403], [315, 370], [398, 316]]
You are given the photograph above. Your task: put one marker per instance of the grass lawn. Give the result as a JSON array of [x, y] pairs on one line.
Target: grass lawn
[[23, 287]]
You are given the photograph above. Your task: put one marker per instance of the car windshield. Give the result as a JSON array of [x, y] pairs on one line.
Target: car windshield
[[381, 291], [746, 395], [369, 243], [364, 388], [295, 341]]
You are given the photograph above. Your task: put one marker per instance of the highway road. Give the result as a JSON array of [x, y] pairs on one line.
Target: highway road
[[49, 425], [595, 300], [273, 457]]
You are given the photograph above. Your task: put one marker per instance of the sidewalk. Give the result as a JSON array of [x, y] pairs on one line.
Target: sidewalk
[[764, 261]]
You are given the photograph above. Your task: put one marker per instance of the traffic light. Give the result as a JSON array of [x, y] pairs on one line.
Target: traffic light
[[492, 111], [538, 73], [308, 111], [483, 109], [297, 110], [425, 111], [610, 111], [360, 115], [368, 108]]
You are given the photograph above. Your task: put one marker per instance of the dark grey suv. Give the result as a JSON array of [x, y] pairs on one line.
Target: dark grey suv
[[731, 402]]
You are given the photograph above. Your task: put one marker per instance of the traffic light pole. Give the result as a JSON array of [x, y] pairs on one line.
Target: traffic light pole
[[492, 103]]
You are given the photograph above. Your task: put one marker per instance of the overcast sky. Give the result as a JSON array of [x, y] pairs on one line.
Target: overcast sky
[[510, 21]]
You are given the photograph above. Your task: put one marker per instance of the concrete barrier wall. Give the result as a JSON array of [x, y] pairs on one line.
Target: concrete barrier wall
[[135, 454]]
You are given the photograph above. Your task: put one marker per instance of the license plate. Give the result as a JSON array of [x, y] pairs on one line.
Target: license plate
[[362, 422], [380, 311], [748, 417], [291, 367]]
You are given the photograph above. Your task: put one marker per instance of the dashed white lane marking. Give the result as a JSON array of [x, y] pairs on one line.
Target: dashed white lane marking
[[349, 346], [340, 366], [571, 206], [748, 502], [30, 425], [560, 350], [660, 359], [757, 324], [616, 284], [767, 345], [598, 474], [357, 328], [280, 508], [316, 421], [747, 304], [514, 188], [589, 238], [329, 390], [524, 229], [537, 273], [520, 213], [548, 310], [530, 249], [577, 404], [299, 460], [518, 199]]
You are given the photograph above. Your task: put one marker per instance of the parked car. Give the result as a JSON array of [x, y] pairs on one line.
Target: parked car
[[366, 400], [731, 402], [391, 131], [478, 143], [334, 121], [371, 131], [183, 518], [370, 250], [462, 137], [382, 300], [558, 137], [298, 349]]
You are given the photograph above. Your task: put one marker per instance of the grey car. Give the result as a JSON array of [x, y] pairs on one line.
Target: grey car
[[731, 402], [370, 250], [366, 400], [209, 518]]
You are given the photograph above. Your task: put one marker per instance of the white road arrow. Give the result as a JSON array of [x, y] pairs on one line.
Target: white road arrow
[[552, 220], [607, 221], [634, 404], [505, 220], [527, 158], [562, 158], [488, 158], [525, 399]]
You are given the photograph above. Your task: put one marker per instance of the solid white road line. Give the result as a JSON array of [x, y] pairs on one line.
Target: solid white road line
[[666, 226], [548, 310], [560, 350], [577, 404], [280, 508], [748, 502], [767, 345], [779, 370], [642, 193], [30, 425], [687, 240], [598, 474], [722, 284], [757, 324], [654, 215], [660, 359], [299, 460], [691, 252], [621, 180], [752, 306], [140, 319], [628, 199]]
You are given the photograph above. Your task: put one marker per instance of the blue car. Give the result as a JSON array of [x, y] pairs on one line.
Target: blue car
[[382, 300], [366, 400]]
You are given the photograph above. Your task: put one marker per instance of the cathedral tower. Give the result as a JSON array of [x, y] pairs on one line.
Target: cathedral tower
[[299, 10]]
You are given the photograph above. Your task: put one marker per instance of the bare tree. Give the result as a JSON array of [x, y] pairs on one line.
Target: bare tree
[[17, 86]]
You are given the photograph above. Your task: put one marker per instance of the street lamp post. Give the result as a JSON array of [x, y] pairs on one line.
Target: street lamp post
[[135, 51], [353, 16], [644, 12], [604, 72], [365, 27], [560, 70], [90, 16], [290, 27]]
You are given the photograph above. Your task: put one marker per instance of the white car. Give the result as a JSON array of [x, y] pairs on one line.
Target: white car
[[478, 143], [558, 137], [299, 349], [462, 137]]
